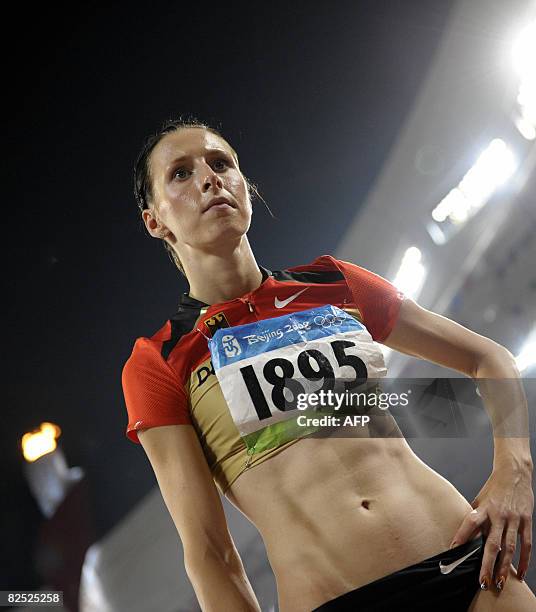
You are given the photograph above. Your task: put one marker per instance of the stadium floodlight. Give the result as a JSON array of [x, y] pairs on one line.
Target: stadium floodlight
[[524, 50], [527, 356], [524, 54], [410, 276], [409, 279], [494, 166], [526, 129]]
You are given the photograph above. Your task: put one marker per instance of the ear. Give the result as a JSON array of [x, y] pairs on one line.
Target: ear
[[153, 225]]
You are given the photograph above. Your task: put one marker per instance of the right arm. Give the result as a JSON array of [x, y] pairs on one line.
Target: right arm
[[211, 560]]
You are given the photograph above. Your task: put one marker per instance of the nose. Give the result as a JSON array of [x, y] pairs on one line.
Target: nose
[[212, 180]]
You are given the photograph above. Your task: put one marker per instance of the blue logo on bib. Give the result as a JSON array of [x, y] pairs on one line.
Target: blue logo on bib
[[244, 341]]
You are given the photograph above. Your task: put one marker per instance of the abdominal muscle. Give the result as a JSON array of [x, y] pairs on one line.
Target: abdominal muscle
[[338, 513]]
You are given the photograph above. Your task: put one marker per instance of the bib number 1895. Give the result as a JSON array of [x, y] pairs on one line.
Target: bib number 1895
[[279, 373]]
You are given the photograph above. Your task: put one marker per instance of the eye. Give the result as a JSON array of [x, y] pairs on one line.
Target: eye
[[220, 164], [181, 173]]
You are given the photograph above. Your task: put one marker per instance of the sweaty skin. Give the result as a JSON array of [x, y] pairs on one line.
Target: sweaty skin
[[334, 513], [324, 521]]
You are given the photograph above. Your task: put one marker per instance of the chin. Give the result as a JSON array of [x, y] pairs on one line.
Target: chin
[[225, 231]]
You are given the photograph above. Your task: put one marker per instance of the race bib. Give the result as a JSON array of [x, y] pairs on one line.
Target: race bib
[[265, 367]]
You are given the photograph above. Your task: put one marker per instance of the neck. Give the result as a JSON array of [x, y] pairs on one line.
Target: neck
[[219, 277]]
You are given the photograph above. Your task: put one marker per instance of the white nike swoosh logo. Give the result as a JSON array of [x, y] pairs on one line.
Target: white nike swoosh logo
[[446, 569], [283, 303]]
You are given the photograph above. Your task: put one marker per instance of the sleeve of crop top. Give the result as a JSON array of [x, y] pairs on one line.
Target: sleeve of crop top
[[153, 394], [378, 300]]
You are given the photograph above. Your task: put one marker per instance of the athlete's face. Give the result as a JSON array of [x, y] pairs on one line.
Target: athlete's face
[[189, 168]]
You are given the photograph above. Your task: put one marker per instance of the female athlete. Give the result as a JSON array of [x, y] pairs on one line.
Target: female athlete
[[355, 522]]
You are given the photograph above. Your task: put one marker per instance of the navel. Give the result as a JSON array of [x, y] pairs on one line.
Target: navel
[[365, 503]]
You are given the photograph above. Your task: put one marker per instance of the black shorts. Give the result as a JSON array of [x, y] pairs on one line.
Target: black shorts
[[422, 586]]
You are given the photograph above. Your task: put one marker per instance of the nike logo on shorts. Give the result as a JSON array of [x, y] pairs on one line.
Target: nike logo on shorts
[[446, 569], [283, 303]]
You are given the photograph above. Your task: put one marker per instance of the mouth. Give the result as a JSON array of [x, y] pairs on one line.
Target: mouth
[[219, 203]]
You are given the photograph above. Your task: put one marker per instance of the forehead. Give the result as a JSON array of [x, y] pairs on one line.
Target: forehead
[[186, 142]]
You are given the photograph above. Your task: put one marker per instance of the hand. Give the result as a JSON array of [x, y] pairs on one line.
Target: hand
[[502, 509]]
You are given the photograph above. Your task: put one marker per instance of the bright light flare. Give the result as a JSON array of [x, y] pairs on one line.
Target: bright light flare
[[524, 51], [410, 276], [524, 57], [494, 166], [40, 441], [526, 129], [527, 356]]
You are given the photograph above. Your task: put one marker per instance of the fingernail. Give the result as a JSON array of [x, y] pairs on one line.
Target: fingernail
[[484, 584], [500, 583]]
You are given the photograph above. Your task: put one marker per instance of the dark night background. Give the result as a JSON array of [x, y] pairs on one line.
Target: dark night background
[[311, 95]]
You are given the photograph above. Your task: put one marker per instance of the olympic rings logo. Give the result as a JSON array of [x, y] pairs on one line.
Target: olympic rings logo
[[327, 320]]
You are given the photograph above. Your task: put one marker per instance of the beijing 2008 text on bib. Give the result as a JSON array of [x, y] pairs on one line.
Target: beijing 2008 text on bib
[[263, 367]]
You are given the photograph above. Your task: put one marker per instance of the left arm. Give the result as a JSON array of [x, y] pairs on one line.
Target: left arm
[[506, 500]]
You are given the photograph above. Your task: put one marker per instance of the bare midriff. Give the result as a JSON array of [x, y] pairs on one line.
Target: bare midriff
[[338, 513]]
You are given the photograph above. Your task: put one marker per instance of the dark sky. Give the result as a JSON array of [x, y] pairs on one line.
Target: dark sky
[[310, 94]]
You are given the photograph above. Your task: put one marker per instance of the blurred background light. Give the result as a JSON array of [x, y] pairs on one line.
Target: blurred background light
[[46, 469], [410, 276], [524, 59], [524, 51], [40, 442], [527, 356], [494, 166], [526, 129]]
